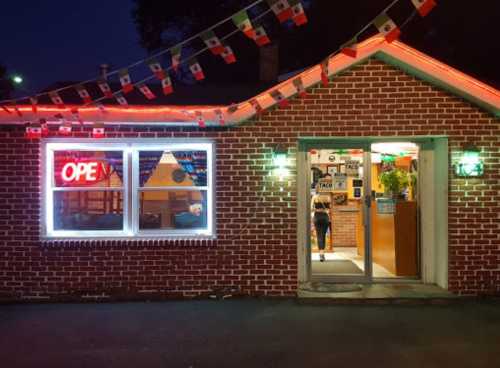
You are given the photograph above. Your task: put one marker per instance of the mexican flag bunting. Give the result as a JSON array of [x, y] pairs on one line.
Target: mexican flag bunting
[[244, 24], [424, 7], [156, 68], [199, 118], [65, 128], [45, 127], [34, 131], [255, 104], [98, 130], [324, 73], [146, 91], [350, 48], [105, 88], [76, 115], [34, 103], [387, 27], [213, 42], [83, 93], [56, 99], [279, 98], [175, 52], [166, 85], [125, 81], [6, 109], [220, 116], [228, 55], [195, 68], [232, 108], [261, 36], [281, 8], [121, 100], [299, 15], [299, 85]]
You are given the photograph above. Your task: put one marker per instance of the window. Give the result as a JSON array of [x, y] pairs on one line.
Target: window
[[128, 189]]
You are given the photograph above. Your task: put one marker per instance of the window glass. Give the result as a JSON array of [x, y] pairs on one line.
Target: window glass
[[88, 210], [172, 168], [173, 209], [88, 169]]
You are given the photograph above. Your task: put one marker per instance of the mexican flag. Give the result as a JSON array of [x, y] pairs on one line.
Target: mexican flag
[[195, 68], [101, 107], [298, 13], [324, 73], [125, 81], [105, 88], [261, 36], [65, 128], [255, 104], [56, 99], [121, 100], [350, 48], [244, 24], [175, 53], [299, 85], [146, 91], [212, 42], [387, 27], [83, 93], [98, 130], [76, 115], [166, 85], [228, 55], [34, 131], [279, 98], [45, 127], [219, 116], [156, 68], [424, 7], [34, 103], [199, 118], [281, 8]]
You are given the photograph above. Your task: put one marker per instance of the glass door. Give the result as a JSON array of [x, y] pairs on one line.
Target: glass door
[[339, 198]]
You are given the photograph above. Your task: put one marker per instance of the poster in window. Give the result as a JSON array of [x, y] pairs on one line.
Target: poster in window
[[340, 182]]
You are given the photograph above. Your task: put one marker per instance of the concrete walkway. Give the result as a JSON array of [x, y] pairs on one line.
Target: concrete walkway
[[249, 333]]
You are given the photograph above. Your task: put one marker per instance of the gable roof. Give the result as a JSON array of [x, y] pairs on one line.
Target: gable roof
[[395, 53]]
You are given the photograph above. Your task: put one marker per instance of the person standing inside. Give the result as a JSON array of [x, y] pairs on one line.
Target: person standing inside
[[320, 206]]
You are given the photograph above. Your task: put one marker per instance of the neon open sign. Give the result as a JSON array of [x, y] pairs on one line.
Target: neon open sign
[[87, 172]]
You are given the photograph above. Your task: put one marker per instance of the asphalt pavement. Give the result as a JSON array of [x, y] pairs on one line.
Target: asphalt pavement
[[249, 333]]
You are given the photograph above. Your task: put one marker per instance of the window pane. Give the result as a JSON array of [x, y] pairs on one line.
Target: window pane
[[88, 169], [173, 209], [84, 210], [172, 168]]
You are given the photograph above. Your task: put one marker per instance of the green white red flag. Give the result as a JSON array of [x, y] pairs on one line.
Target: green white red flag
[[101, 107], [121, 100], [125, 81], [166, 85], [98, 130], [387, 27], [175, 53], [65, 127], [299, 85], [105, 88], [56, 99], [213, 42], [324, 72], [45, 127], [156, 68], [424, 7], [298, 14], [34, 104], [350, 48], [228, 55], [261, 36], [33, 131], [279, 98], [146, 91], [219, 116], [200, 119], [256, 106], [83, 93], [281, 8], [196, 70], [244, 24]]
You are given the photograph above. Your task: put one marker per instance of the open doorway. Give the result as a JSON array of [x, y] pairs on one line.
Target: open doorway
[[363, 211]]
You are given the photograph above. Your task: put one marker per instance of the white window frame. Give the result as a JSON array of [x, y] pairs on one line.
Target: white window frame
[[130, 149]]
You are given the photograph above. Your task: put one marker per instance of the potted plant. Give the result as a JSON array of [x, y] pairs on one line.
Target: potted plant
[[394, 182]]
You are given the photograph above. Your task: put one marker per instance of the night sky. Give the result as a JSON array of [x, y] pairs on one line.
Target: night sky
[[60, 40]]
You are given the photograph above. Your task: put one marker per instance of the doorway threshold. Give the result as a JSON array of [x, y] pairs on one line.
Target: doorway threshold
[[374, 293]]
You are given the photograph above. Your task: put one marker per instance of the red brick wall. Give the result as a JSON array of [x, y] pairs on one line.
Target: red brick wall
[[256, 247]]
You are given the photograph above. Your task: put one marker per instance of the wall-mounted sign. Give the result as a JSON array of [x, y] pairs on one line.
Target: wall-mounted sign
[[340, 181], [325, 186], [357, 182], [357, 192], [352, 168]]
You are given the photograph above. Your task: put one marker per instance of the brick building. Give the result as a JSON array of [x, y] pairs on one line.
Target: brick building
[[257, 228]]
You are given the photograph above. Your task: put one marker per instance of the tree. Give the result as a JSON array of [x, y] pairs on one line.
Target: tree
[[6, 85]]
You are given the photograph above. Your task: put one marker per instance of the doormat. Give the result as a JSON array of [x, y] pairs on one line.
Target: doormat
[[322, 287], [335, 267]]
